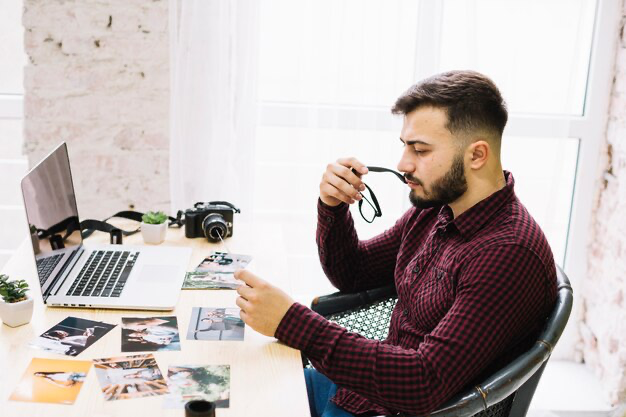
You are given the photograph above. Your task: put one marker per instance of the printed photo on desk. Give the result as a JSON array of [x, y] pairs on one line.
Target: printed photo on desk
[[223, 262], [72, 336], [55, 381], [191, 382], [150, 334], [126, 377], [211, 281], [209, 323]]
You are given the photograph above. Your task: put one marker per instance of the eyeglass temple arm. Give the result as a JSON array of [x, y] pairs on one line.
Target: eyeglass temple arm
[[380, 169]]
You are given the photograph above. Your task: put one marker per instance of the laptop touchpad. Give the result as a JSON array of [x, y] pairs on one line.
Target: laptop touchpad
[[157, 274]]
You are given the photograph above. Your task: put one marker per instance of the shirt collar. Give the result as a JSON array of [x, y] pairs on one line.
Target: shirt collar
[[471, 220]]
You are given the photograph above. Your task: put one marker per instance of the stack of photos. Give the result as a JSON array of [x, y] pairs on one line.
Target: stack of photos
[[188, 382], [215, 324], [127, 377], [71, 336], [51, 381], [216, 272], [150, 334]]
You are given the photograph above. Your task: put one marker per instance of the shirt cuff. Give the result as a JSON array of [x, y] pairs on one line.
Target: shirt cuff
[[330, 209], [299, 326], [326, 215]]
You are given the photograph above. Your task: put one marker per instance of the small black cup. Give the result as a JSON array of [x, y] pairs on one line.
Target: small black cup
[[200, 408]]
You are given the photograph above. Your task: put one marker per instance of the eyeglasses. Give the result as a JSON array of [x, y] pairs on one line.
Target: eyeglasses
[[371, 210]]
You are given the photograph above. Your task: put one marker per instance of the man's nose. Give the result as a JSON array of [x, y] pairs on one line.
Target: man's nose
[[405, 164]]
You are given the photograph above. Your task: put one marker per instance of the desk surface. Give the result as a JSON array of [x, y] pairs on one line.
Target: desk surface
[[266, 376]]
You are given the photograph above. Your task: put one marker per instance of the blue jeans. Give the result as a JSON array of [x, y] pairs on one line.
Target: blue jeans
[[320, 390]]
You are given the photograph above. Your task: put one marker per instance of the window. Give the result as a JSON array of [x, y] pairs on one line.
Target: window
[[12, 163], [330, 71]]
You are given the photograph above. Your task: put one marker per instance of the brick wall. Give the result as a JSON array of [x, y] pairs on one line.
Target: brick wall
[[98, 78], [604, 292]]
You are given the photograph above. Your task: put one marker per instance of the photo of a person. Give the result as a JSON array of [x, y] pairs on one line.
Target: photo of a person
[[127, 377], [223, 262], [62, 379], [72, 336], [76, 340], [217, 259], [150, 334], [215, 324], [51, 381]]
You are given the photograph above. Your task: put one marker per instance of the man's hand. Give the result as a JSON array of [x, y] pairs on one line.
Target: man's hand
[[262, 305], [340, 184]]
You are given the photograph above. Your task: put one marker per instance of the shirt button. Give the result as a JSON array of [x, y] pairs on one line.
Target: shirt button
[[416, 269], [405, 313], [329, 219]]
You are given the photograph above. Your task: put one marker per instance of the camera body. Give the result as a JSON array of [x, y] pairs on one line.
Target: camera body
[[213, 220]]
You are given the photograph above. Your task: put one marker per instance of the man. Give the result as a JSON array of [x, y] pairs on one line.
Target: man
[[474, 273]]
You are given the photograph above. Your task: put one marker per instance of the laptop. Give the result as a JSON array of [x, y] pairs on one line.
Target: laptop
[[73, 273]]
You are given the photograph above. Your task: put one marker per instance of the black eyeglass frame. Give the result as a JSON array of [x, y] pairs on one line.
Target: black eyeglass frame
[[374, 203]]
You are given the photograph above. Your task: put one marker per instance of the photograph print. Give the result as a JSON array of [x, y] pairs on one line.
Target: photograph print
[[150, 334], [126, 377], [209, 323], [206, 280], [72, 336], [223, 262], [55, 381], [190, 382]]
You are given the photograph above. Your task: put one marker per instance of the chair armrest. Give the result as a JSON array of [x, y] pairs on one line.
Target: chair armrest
[[339, 302]]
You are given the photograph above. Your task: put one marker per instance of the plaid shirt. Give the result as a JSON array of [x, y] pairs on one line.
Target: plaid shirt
[[472, 291]]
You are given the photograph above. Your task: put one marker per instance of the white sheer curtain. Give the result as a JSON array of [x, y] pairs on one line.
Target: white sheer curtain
[[214, 51]]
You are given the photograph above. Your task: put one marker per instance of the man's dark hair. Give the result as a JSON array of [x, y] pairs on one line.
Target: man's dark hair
[[471, 100]]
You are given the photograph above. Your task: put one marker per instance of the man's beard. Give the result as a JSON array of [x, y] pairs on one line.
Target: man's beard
[[444, 190]]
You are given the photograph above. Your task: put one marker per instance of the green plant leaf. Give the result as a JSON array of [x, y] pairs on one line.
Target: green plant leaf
[[152, 217], [12, 291]]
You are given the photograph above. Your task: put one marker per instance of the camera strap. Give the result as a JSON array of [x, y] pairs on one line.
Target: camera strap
[[89, 226]]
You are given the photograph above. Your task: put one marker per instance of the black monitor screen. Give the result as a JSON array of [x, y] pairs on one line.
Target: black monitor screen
[[50, 205]]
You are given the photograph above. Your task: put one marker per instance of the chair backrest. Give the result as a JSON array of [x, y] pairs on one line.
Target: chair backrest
[[508, 392]]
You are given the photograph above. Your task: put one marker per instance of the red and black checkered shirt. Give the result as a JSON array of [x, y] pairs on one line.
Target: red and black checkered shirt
[[471, 291]]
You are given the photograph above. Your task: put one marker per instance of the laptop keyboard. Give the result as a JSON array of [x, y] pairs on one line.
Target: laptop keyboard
[[45, 266], [104, 274]]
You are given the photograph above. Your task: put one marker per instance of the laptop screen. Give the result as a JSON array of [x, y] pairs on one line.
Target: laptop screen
[[50, 205]]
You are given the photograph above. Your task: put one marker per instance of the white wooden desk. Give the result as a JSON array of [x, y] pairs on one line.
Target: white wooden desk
[[266, 376]]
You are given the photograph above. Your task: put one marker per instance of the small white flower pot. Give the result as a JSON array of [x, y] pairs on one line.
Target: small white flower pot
[[153, 233], [16, 314]]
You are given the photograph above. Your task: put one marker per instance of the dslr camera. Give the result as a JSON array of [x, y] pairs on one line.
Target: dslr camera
[[213, 220]]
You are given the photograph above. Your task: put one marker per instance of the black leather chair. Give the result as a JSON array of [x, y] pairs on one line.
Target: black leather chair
[[507, 392]]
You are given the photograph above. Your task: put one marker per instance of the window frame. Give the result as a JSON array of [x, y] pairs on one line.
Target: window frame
[[11, 106]]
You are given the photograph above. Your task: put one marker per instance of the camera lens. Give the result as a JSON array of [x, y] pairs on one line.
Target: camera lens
[[214, 227]]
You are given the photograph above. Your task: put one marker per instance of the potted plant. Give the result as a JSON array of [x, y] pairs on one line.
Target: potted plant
[[34, 238], [16, 308], [154, 227]]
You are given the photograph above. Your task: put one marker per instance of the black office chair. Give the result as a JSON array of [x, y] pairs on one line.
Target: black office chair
[[507, 392]]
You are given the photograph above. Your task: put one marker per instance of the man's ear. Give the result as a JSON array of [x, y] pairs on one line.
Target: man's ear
[[478, 152]]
